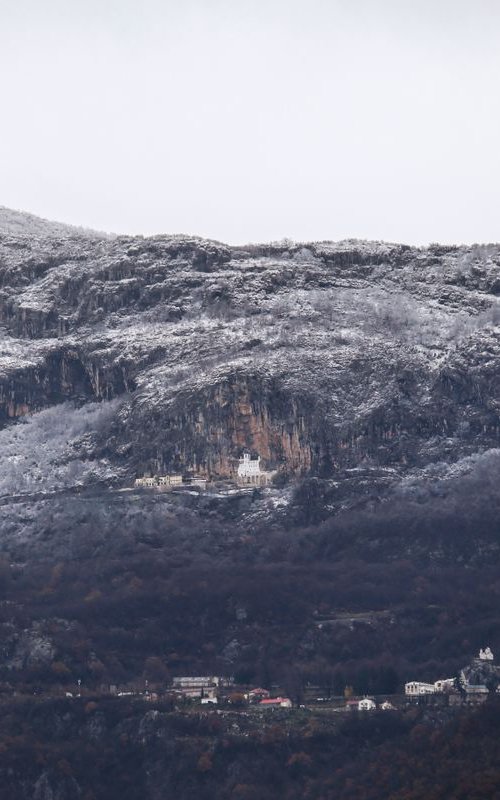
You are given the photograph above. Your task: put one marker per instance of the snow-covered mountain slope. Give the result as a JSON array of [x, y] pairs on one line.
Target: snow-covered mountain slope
[[20, 223], [320, 357]]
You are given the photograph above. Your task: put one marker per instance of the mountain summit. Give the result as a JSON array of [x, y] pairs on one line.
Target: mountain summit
[[21, 223], [365, 366]]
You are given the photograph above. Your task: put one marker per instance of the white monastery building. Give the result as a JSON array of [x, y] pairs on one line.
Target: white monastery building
[[250, 473], [248, 467]]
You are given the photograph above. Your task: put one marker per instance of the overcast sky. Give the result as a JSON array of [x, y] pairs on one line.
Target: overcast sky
[[248, 120]]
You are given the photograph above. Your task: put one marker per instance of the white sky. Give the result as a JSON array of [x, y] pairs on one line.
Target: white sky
[[248, 120]]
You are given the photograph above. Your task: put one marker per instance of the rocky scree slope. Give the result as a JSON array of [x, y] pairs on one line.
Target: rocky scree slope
[[322, 358]]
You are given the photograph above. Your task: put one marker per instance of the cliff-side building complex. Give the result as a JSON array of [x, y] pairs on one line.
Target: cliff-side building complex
[[250, 473], [475, 681], [159, 482]]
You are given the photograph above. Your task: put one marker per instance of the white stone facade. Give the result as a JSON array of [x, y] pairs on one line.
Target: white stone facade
[[169, 480], [159, 481], [250, 473], [248, 467], [147, 482], [414, 688]]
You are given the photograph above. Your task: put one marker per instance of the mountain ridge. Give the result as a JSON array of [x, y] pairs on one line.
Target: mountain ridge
[[321, 358], [14, 222]]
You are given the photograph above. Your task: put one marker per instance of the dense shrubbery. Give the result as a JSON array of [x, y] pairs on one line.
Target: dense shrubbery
[[110, 749], [267, 605], [129, 590]]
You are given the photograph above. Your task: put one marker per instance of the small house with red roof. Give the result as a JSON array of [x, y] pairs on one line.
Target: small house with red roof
[[276, 702]]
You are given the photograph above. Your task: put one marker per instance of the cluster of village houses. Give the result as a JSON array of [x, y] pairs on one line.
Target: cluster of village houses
[[468, 681], [248, 474], [210, 690]]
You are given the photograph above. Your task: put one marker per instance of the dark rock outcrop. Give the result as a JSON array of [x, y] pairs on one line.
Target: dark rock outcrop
[[318, 357]]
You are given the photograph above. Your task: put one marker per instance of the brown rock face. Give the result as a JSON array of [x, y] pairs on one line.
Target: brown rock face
[[208, 431], [252, 425]]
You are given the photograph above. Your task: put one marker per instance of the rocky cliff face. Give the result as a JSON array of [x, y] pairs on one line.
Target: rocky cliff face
[[319, 357]]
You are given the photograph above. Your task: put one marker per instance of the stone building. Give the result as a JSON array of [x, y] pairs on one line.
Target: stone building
[[250, 473], [167, 481], [159, 482], [201, 686], [148, 483], [416, 688]]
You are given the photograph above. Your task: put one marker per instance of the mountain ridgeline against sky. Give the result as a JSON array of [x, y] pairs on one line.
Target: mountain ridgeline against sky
[[319, 357]]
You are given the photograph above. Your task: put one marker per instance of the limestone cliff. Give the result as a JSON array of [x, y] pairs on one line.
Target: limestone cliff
[[319, 357]]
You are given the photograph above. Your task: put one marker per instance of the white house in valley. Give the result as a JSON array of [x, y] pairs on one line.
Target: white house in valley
[[474, 681], [415, 688], [275, 702]]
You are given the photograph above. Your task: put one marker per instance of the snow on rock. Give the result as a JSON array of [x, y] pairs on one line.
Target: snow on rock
[[320, 356]]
